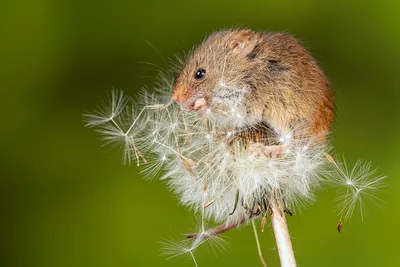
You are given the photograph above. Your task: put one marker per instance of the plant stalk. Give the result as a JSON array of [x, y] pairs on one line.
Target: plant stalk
[[258, 245], [282, 236]]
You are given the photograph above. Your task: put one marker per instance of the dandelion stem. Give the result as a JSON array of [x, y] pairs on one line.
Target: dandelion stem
[[258, 244], [282, 236]]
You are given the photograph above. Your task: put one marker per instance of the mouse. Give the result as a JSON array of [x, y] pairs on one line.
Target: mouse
[[246, 78]]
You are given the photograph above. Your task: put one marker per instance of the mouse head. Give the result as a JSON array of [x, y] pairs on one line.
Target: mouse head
[[216, 70]]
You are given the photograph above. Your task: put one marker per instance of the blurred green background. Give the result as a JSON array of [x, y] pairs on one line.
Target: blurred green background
[[66, 201]]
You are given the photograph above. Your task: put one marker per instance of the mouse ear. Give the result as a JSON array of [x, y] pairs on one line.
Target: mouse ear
[[243, 42]]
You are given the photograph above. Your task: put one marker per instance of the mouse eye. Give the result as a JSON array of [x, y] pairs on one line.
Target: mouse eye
[[199, 74]]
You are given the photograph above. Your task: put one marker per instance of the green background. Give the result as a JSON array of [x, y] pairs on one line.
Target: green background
[[66, 201]]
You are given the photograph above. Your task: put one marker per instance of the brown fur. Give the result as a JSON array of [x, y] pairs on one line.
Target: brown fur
[[284, 84]]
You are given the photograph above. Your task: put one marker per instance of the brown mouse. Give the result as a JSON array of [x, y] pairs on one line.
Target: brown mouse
[[266, 78]]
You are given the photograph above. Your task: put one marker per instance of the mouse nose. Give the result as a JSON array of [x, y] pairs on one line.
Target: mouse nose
[[179, 94]]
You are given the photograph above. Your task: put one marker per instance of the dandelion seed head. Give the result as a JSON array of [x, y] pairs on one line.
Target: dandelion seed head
[[108, 109], [173, 248], [222, 156], [191, 150], [176, 247], [356, 186]]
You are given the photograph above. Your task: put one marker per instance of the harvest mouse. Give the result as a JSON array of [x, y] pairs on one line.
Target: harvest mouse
[[249, 78]]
